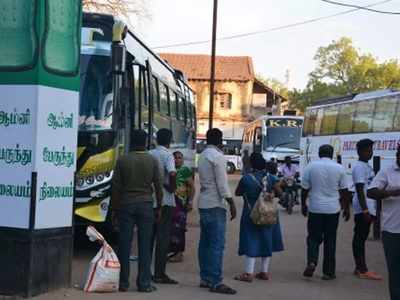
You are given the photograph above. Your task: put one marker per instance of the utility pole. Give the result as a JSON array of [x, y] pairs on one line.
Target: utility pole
[[212, 77]]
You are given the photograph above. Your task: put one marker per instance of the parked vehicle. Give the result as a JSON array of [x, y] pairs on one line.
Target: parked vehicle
[[124, 85], [343, 121], [274, 136]]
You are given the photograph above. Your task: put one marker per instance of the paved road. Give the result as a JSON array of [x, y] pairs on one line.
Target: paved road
[[287, 282]]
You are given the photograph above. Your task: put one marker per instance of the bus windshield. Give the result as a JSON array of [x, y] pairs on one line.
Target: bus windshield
[[283, 133], [95, 97], [282, 137]]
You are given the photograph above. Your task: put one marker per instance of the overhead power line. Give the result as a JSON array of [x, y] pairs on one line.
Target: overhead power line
[[278, 28], [361, 7]]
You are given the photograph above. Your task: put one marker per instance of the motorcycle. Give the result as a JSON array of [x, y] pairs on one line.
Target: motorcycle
[[290, 194]]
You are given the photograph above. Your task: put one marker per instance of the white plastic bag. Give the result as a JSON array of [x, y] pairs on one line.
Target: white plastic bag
[[103, 275]]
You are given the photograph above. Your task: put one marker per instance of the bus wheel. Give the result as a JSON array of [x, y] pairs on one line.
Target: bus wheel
[[230, 168]]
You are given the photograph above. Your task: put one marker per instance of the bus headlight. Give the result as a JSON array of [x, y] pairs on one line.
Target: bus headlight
[[90, 180], [80, 182], [100, 177]]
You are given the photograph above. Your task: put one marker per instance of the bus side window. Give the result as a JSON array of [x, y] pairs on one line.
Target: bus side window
[[136, 94], [257, 140], [318, 122], [164, 99], [363, 117], [143, 85], [156, 94], [344, 123], [182, 109], [396, 121], [173, 106], [194, 116], [328, 124], [385, 112], [309, 122]]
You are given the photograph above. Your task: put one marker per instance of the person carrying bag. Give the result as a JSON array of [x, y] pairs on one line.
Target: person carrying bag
[[260, 231]]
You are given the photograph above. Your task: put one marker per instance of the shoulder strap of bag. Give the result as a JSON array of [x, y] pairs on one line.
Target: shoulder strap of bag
[[263, 184]]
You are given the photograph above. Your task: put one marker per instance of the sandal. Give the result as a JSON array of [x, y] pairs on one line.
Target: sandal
[[246, 277], [176, 258], [368, 275], [204, 285], [263, 276], [309, 271], [165, 280], [223, 289], [147, 289]]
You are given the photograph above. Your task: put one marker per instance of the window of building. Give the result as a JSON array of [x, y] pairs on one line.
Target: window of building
[[223, 100]]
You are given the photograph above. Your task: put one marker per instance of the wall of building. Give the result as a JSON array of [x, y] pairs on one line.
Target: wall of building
[[230, 121]]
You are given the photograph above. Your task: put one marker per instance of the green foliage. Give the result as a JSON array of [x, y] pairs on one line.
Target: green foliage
[[342, 69], [273, 83]]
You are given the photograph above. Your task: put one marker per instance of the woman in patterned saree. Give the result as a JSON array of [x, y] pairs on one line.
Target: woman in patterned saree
[[183, 197]]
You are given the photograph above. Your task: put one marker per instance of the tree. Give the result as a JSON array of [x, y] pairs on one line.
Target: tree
[[123, 8], [341, 69], [276, 85]]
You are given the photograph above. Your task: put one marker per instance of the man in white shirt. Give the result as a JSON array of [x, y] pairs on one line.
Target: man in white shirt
[[324, 181], [162, 233], [386, 186], [213, 200], [363, 207]]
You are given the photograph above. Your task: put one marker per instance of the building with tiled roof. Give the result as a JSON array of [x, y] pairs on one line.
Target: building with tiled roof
[[239, 96]]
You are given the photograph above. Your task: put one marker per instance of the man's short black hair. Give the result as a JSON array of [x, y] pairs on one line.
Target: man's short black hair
[[138, 138], [257, 161], [326, 151], [164, 137], [214, 137], [364, 144]]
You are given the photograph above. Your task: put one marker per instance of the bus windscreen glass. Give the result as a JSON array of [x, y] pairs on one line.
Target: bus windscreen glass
[[96, 98], [283, 133]]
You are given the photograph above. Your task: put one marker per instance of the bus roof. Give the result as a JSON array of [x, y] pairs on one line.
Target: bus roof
[[354, 97]]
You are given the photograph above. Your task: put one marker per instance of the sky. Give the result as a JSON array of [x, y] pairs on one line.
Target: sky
[[275, 53]]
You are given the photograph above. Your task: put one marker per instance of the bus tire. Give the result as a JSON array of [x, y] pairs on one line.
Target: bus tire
[[230, 168]]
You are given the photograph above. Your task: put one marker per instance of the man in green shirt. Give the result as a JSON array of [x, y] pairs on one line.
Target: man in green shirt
[[135, 178]]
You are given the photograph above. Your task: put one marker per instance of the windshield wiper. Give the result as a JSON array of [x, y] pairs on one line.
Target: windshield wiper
[[281, 144]]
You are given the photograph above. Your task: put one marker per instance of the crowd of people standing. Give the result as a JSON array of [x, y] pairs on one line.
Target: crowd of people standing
[[154, 191]]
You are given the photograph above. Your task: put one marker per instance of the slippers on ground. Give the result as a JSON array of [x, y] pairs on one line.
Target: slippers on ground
[[245, 277], [263, 276], [165, 280], [223, 289], [147, 289]]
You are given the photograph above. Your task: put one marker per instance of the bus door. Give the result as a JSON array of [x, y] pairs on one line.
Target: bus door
[[257, 140], [148, 123]]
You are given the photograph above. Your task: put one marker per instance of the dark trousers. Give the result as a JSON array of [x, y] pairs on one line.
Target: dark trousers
[[391, 245], [162, 235], [322, 228], [361, 232], [141, 215]]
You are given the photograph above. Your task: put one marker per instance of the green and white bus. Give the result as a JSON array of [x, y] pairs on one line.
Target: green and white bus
[[124, 85]]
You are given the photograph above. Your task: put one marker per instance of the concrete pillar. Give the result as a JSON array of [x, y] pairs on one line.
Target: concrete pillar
[[39, 102]]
